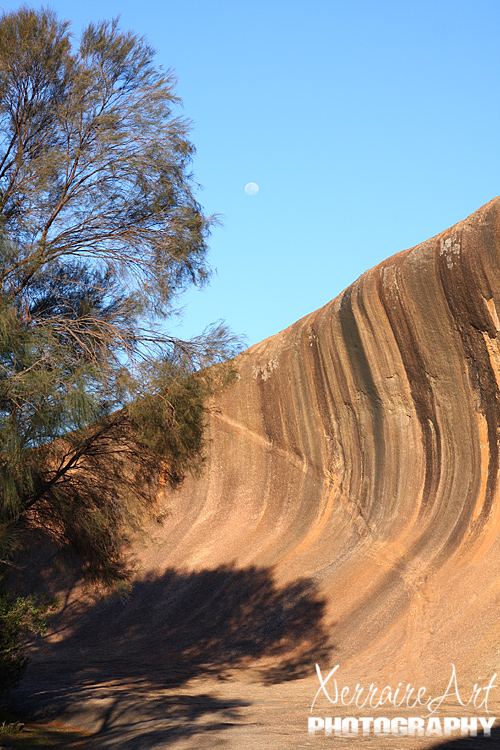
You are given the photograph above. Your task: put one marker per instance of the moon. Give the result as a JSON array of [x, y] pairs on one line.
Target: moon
[[252, 188]]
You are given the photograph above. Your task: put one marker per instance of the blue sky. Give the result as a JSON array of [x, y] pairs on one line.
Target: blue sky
[[369, 126]]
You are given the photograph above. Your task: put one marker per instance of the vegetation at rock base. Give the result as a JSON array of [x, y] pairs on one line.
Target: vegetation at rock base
[[20, 732], [20, 617], [100, 231]]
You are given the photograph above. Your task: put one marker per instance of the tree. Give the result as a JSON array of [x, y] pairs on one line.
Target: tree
[[99, 233], [20, 617]]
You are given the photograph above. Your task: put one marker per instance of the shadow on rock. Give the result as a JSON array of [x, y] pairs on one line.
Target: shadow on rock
[[177, 627], [129, 724]]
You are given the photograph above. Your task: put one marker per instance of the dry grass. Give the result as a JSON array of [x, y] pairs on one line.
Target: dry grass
[[39, 735]]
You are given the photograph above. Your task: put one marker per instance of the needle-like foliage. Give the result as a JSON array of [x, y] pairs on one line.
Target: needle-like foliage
[[99, 233]]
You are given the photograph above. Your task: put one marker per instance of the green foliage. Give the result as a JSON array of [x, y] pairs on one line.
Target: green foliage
[[100, 232], [20, 618]]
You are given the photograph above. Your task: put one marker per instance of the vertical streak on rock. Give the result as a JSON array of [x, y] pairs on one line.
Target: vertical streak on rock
[[465, 285], [405, 335], [367, 401]]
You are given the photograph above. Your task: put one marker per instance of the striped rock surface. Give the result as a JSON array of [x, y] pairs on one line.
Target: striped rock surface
[[348, 512], [359, 448]]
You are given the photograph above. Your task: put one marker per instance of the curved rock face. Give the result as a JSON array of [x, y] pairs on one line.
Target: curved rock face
[[359, 447], [352, 477]]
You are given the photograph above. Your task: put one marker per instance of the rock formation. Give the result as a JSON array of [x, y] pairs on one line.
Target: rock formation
[[360, 447], [352, 470]]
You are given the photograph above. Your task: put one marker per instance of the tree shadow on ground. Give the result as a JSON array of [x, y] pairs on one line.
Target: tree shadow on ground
[[172, 628], [122, 653], [161, 721], [131, 722]]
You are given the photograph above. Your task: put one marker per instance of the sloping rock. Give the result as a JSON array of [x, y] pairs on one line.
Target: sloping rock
[[349, 507], [360, 447]]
